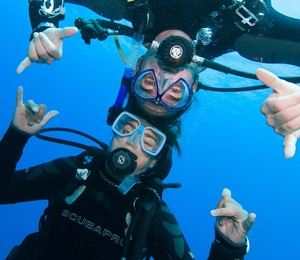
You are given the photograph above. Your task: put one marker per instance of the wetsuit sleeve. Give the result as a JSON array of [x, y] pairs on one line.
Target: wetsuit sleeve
[[223, 250], [168, 242], [45, 14], [276, 39], [35, 183]]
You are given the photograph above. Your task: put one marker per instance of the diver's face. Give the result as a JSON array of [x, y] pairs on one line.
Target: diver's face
[[162, 91], [133, 143]]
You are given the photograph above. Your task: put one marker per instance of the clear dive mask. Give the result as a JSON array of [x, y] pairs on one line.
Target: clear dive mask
[[139, 131]]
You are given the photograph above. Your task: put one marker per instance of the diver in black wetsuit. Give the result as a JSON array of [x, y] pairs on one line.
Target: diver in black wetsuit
[[46, 47], [92, 196], [251, 27]]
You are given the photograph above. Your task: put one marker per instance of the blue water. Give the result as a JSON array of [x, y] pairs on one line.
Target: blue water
[[226, 142]]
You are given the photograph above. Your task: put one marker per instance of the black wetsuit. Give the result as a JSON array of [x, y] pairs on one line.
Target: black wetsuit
[[274, 39], [92, 226]]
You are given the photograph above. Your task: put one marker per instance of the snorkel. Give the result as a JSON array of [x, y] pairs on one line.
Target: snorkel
[[140, 23]]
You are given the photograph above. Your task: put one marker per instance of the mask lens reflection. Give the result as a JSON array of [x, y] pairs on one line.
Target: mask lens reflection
[[152, 140], [126, 125], [178, 94], [174, 95], [145, 85]]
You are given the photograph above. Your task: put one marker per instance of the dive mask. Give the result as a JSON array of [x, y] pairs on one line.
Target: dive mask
[[167, 75], [174, 94], [139, 132]]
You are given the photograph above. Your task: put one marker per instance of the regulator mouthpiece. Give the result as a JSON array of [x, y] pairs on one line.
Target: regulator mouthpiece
[[122, 161]]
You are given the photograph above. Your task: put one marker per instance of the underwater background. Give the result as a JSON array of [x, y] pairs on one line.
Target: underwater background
[[225, 143]]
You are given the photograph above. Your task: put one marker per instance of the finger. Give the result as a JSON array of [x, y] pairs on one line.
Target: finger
[[31, 122], [226, 197], [41, 113], [23, 65], [248, 223], [32, 107], [281, 86], [289, 145], [274, 105], [288, 127], [221, 221], [32, 54], [19, 99], [66, 32], [52, 50], [48, 116], [230, 211], [284, 116], [42, 53], [226, 192]]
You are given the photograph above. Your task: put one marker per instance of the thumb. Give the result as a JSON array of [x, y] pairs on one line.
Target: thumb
[[226, 192], [23, 65], [66, 32], [48, 116], [289, 144], [248, 223], [272, 81], [19, 98]]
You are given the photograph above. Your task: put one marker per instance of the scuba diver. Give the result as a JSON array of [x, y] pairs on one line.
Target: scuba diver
[[285, 119], [163, 87], [253, 28], [106, 204]]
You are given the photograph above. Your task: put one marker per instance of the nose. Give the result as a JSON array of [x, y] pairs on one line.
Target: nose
[[134, 139], [166, 76]]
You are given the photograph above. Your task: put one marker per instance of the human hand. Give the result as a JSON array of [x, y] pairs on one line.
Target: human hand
[[30, 117], [232, 220], [46, 47], [282, 109]]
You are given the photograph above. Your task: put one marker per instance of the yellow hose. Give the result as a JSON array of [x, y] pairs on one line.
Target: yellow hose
[[119, 48]]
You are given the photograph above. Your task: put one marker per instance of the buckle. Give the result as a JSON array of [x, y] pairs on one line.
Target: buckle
[[247, 16]]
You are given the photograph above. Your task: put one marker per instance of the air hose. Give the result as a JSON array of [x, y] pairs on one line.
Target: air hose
[[143, 227], [222, 68], [142, 220]]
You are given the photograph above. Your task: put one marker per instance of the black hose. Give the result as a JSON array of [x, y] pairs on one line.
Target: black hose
[[60, 141], [205, 87], [222, 68], [142, 231], [129, 233]]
